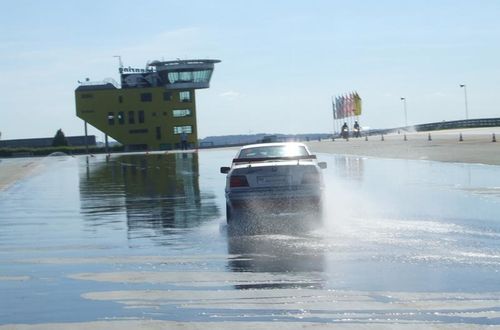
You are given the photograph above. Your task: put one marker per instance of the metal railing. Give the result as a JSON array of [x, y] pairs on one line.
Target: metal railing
[[101, 82], [469, 123], [442, 125]]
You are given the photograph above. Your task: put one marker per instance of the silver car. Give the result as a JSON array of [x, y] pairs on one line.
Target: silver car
[[273, 179]]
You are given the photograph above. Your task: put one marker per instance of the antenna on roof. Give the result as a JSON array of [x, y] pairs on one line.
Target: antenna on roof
[[119, 60]]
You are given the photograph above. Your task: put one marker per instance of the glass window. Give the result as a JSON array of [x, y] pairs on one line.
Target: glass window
[[181, 113], [198, 76], [138, 131], [141, 117], [201, 76], [167, 96], [120, 99], [158, 133], [111, 118], [185, 96], [183, 129], [146, 97], [186, 76], [274, 151], [180, 77], [131, 117], [121, 118], [173, 77]]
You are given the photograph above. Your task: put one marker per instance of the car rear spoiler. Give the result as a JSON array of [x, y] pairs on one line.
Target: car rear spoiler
[[262, 159]]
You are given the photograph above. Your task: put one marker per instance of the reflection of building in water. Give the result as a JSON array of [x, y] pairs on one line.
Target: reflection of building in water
[[350, 167], [155, 191]]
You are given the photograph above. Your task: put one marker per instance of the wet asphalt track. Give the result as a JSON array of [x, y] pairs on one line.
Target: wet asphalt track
[[144, 236]]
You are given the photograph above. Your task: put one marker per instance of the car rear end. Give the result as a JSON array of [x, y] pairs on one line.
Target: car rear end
[[274, 188]]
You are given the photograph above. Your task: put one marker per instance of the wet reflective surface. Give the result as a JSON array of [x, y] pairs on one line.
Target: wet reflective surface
[[144, 236]]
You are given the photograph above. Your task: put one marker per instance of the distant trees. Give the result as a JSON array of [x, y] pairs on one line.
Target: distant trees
[[59, 139]]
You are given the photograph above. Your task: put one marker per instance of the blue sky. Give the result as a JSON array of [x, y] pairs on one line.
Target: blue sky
[[282, 61]]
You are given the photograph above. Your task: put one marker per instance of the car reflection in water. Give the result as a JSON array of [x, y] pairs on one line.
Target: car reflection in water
[[290, 254], [157, 192]]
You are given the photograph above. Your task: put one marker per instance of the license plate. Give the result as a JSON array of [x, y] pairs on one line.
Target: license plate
[[273, 179]]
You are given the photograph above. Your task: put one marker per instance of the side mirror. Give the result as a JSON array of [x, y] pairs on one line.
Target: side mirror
[[225, 169], [322, 165]]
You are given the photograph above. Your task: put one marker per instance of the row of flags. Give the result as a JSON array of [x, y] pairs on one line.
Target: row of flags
[[345, 106]]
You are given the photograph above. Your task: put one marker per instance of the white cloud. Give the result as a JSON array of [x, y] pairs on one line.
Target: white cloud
[[230, 95]]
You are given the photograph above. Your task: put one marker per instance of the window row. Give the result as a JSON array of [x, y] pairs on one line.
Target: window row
[[120, 117], [184, 96], [188, 129], [189, 76]]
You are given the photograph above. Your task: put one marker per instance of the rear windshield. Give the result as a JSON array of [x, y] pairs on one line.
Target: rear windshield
[[273, 152]]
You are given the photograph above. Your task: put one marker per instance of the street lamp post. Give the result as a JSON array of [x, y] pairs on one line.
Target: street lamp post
[[406, 113], [465, 96]]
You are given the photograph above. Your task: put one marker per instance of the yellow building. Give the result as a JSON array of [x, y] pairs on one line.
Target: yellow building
[[153, 109]]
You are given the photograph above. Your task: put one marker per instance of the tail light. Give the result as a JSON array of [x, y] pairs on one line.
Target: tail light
[[310, 178], [238, 181]]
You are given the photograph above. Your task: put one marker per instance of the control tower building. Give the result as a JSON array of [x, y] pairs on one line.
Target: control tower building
[[152, 109]]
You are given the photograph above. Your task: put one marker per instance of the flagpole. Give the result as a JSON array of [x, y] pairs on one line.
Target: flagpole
[[334, 117], [337, 112]]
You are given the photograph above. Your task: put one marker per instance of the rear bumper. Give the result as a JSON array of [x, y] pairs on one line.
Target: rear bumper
[[276, 201]]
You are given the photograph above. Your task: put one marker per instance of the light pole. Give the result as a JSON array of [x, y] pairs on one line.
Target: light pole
[[406, 113], [465, 95]]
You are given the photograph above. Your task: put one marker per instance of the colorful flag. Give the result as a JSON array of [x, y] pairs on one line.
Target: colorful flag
[[333, 109], [357, 104], [344, 106], [347, 105], [337, 107], [351, 105], [341, 107]]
